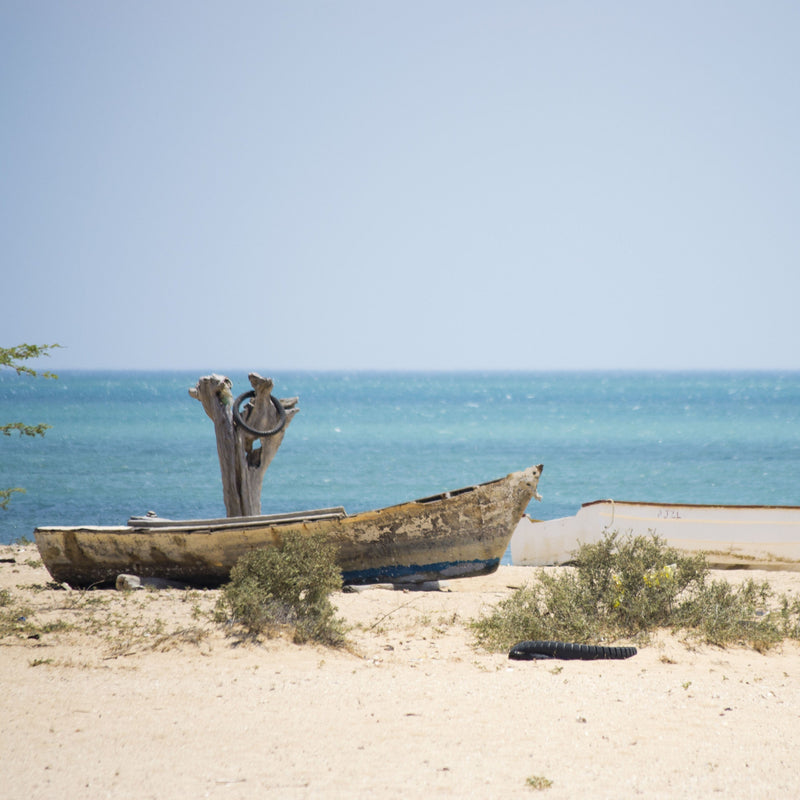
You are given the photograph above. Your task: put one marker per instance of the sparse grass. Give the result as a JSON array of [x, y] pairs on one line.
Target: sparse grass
[[285, 588], [119, 624], [628, 587], [133, 626], [445, 622], [14, 616]]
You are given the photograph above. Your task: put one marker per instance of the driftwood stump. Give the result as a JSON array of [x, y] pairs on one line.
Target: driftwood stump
[[247, 441]]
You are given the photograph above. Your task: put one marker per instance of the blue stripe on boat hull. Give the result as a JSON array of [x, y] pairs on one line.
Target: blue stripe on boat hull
[[419, 573]]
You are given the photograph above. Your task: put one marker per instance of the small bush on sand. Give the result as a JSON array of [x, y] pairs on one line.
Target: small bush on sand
[[722, 614], [285, 587], [627, 587]]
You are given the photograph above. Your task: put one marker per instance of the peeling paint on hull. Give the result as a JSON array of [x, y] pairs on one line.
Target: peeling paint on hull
[[461, 533]]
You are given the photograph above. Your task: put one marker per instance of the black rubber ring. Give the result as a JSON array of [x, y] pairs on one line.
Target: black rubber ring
[[237, 417]]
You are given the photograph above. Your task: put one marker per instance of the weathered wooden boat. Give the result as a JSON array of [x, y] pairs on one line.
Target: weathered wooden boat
[[455, 534], [756, 537]]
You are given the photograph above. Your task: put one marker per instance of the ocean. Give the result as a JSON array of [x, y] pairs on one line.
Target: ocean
[[124, 443]]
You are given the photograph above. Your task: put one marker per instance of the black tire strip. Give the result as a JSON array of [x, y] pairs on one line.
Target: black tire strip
[[237, 417], [528, 651]]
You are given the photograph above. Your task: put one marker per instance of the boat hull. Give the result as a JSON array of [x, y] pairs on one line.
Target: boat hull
[[461, 533], [758, 537]]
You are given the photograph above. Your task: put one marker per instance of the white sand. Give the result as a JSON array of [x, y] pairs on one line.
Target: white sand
[[112, 712]]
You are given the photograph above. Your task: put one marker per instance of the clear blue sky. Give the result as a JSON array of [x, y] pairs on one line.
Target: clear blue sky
[[401, 185]]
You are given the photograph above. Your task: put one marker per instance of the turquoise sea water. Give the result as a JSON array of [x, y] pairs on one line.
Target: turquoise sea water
[[123, 443]]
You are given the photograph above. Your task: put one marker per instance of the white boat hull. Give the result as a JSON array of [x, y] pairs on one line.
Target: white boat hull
[[759, 537]]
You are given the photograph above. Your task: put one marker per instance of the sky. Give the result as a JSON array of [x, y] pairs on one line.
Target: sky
[[414, 185]]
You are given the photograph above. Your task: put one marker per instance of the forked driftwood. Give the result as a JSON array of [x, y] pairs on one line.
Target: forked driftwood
[[247, 439]]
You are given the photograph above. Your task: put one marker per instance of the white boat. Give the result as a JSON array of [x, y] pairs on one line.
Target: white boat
[[755, 537]]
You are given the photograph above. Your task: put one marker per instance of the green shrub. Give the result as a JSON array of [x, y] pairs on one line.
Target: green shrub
[[635, 582], [721, 613], [789, 614], [286, 586], [627, 587]]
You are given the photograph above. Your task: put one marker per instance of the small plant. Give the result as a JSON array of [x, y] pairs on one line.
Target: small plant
[[538, 782], [629, 587], [721, 613], [285, 587], [790, 617]]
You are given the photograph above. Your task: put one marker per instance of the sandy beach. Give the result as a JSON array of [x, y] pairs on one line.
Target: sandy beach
[[140, 695]]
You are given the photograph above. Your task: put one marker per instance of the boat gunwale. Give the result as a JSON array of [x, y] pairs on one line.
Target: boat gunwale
[[679, 505], [148, 523], [250, 523], [237, 523]]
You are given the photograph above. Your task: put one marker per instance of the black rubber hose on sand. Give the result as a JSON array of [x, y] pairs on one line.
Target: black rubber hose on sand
[[528, 651]]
